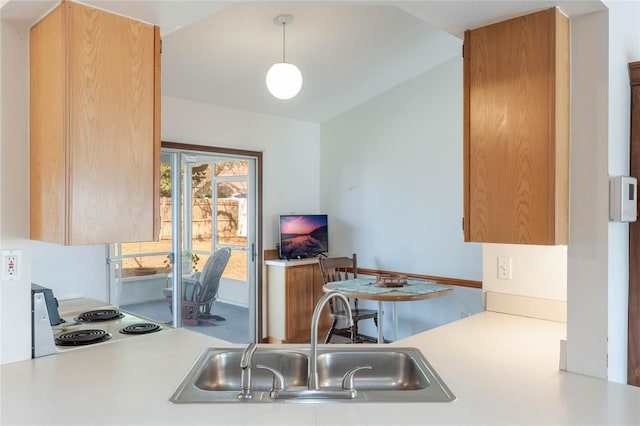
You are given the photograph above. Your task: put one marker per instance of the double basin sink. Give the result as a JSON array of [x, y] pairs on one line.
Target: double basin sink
[[396, 375]]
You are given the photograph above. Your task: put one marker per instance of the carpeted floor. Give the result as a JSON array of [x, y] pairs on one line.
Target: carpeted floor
[[234, 329]]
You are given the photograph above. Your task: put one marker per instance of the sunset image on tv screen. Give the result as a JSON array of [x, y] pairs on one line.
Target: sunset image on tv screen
[[303, 235]]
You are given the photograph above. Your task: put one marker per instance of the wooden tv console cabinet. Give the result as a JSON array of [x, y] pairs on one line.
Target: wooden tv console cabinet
[[293, 288]]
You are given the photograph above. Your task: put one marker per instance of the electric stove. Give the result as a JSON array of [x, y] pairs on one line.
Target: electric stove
[[90, 325]]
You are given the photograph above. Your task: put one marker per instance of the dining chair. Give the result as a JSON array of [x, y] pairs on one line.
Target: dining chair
[[338, 269]]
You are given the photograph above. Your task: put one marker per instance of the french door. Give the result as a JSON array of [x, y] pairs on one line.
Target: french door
[[209, 200]]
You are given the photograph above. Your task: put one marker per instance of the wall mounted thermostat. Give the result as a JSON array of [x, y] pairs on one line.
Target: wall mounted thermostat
[[623, 199]]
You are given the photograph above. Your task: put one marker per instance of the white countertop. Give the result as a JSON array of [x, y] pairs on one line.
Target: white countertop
[[503, 369]]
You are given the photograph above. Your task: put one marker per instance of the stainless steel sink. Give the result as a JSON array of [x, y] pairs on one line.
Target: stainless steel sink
[[397, 375], [221, 370], [391, 370]]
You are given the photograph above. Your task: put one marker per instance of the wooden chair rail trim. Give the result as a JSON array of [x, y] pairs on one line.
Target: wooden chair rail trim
[[439, 280]]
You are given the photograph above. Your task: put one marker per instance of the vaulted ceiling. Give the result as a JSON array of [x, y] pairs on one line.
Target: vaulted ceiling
[[219, 52]]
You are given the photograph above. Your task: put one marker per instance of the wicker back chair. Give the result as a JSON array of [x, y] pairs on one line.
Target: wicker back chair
[[201, 290]]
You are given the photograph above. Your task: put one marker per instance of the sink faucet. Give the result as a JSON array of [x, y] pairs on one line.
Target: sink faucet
[[313, 391], [313, 370], [245, 365]]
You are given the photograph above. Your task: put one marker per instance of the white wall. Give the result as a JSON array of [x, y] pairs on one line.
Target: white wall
[[15, 302], [588, 221], [536, 271], [392, 186], [291, 149], [392, 179], [624, 47], [71, 271]]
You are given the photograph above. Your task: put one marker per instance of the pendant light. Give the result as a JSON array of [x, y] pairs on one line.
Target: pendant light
[[284, 80]]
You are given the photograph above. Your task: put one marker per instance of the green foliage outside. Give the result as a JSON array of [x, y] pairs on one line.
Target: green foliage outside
[[198, 176]]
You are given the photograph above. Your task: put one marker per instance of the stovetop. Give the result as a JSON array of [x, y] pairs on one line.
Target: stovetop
[[92, 325]]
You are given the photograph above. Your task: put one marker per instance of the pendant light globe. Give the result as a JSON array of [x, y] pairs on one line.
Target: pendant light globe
[[284, 80]]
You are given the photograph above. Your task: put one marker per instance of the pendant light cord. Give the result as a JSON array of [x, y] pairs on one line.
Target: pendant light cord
[[284, 24]]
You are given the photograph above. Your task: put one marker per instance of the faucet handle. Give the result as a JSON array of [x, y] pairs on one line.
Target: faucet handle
[[347, 379], [278, 378]]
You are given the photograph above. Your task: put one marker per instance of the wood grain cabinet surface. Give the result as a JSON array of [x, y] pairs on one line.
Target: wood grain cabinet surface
[[292, 294], [516, 130], [94, 127]]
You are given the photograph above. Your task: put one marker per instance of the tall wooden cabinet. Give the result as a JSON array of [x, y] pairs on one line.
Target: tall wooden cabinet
[[293, 289], [516, 130], [94, 127]]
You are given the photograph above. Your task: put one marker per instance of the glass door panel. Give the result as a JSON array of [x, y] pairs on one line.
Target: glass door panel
[[219, 215], [231, 224]]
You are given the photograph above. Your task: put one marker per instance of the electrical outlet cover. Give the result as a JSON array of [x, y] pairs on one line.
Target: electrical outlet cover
[[504, 268], [11, 265]]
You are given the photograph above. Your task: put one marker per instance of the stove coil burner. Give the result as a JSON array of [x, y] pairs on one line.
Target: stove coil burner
[[141, 328], [82, 337], [99, 315]]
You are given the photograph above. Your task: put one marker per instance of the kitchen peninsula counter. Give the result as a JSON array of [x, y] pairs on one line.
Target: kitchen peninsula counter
[[502, 368]]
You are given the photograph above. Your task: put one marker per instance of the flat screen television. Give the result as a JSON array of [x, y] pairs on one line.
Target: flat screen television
[[303, 235]]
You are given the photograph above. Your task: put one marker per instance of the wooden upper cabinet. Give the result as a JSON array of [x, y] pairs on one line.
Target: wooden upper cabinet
[[94, 127], [516, 130]]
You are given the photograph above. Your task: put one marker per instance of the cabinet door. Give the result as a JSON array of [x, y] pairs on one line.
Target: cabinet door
[[112, 158], [299, 297], [47, 128], [516, 76]]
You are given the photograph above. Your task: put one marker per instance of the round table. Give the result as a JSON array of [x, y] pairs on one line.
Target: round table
[[395, 295]]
